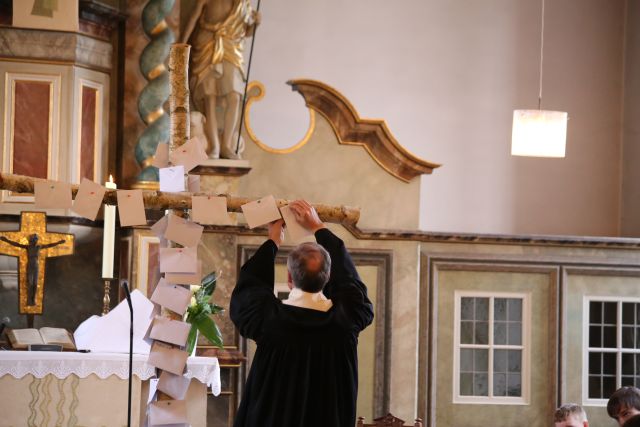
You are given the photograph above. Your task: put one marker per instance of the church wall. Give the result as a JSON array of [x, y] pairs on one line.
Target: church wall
[[446, 76]]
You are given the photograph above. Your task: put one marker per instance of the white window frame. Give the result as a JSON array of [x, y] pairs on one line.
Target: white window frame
[[586, 400], [525, 348]]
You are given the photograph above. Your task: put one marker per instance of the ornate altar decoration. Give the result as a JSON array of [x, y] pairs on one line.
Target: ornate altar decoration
[[32, 244]]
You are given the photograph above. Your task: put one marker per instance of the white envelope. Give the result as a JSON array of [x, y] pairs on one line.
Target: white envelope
[[161, 158], [179, 260], [183, 231], [174, 385], [190, 154], [261, 212], [210, 210], [172, 179], [170, 331], [174, 297], [160, 227], [88, 199], [185, 278], [52, 195], [193, 183], [294, 229], [166, 412]]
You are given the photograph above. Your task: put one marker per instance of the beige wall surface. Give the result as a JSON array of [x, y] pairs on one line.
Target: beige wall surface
[[447, 75]]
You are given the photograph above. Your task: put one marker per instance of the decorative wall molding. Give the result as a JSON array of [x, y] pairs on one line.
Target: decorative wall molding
[[372, 134]]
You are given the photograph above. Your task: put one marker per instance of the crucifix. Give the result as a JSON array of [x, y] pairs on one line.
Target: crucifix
[[32, 244]]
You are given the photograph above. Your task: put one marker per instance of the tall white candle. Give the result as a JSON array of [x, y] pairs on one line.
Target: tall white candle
[[108, 242]]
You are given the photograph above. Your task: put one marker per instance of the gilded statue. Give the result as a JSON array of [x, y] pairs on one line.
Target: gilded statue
[[216, 32]]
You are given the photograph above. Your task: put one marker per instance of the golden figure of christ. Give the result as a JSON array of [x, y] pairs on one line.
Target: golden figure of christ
[[32, 245]]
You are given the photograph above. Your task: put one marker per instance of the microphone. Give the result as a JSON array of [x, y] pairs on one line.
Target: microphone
[[5, 321], [125, 286]]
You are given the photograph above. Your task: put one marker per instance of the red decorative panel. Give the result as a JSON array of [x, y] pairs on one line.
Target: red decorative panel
[[31, 122], [88, 132]]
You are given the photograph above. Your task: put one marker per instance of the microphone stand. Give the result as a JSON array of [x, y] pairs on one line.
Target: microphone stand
[[125, 287]]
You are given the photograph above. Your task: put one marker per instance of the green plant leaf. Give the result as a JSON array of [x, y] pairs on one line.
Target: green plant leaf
[[208, 283], [192, 338], [209, 329]]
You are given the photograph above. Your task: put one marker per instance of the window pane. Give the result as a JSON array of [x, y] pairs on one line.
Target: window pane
[[482, 308], [514, 387], [595, 336], [500, 333], [466, 332], [500, 309], [466, 360], [481, 360], [595, 384], [609, 363], [610, 312], [626, 380], [608, 386], [515, 309], [637, 337], [515, 333], [628, 367], [481, 384], [514, 359], [628, 333], [482, 333], [466, 308], [499, 384], [609, 336], [466, 384], [628, 313], [637, 364], [500, 361], [595, 363], [595, 312]]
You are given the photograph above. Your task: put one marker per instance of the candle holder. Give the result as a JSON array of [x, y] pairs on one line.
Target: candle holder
[[106, 299]]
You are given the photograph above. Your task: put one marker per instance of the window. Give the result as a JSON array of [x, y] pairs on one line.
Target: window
[[491, 354], [612, 356]]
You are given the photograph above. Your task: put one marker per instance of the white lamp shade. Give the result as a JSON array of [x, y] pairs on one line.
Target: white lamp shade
[[539, 133]]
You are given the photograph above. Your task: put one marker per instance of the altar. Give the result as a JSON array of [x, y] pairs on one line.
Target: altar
[[85, 389]]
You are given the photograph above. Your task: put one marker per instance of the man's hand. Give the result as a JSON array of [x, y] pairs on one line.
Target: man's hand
[[276, 231], [306, 215]]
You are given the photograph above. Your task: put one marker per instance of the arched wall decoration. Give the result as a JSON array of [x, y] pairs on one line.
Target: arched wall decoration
[[255, 92], [372, 134]]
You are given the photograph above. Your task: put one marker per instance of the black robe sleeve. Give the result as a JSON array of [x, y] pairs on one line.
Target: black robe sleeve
[[345, 288], [253, 299]]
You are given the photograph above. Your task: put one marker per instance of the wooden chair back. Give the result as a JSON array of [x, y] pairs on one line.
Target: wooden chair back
[[388, 421]]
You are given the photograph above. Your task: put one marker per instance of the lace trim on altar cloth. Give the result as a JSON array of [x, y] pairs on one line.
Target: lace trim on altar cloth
[[40, 364]]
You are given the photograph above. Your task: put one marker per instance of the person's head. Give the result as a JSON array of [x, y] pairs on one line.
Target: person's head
[[309, 266], [632, 422], [33, 239], [624, 403], [570, 415]]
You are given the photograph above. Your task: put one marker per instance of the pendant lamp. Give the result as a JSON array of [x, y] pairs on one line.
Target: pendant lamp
[[539, 133]]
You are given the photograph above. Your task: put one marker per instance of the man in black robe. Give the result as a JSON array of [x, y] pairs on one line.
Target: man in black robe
[[305, 370]]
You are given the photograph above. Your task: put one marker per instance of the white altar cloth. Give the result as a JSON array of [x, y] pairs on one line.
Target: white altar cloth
[[62, 364], [90, 389]]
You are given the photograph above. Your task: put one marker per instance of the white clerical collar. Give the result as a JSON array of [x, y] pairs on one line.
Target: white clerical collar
[[314, 301]]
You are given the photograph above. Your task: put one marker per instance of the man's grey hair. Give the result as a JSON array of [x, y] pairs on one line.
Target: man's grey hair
[[567, 410], [310, 266]]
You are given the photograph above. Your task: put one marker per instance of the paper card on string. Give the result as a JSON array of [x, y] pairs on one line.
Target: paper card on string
[[161, 158], [185, 278], [153, 387], [183, 231], [174, 297], [261, 212], [88, 199], [294, 229], [52, 195], [131, 208], [172, 179], [163, 412], [190, 154], [171, 359], [175, 386], [178, 260], [170, 331], [210, 210], [193, 183], [160, 227]]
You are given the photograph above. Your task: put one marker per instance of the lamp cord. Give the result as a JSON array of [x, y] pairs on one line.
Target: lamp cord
[[246, 83], [541, 57]]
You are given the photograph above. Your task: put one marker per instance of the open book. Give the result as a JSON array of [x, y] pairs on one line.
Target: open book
[[22, 338]]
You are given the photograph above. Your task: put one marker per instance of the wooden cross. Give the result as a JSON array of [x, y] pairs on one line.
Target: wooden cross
[[32, 244]]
